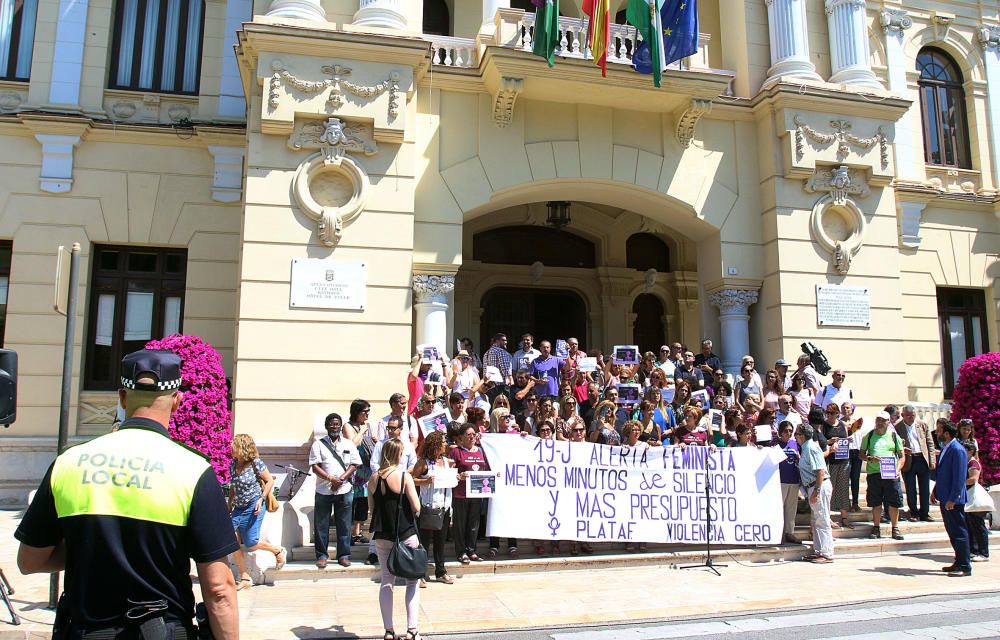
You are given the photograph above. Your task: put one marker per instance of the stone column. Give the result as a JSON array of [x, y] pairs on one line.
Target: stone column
[[848, 31], [734, 319], [788, 35], [894, 23], [430, 294], [299, 9], [989, 38], [490, 8], [386, 14]]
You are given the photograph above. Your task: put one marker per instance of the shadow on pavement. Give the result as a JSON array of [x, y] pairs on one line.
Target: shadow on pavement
[[334, 631], [901, 571]]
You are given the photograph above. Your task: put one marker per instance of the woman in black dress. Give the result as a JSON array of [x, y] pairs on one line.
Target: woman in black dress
[[387, 489]]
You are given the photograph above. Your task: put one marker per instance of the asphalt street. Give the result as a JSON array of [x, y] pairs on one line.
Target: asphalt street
[[964, 616]]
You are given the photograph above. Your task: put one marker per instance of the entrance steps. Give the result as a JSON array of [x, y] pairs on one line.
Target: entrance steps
[[918, 536]]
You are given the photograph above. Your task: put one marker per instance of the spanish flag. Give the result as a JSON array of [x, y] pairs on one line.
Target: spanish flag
[[600, 31]]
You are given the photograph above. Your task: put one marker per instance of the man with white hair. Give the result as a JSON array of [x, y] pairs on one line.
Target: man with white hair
[[923, 458]]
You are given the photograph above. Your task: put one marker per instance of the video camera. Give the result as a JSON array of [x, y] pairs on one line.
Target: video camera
[[819, 361]]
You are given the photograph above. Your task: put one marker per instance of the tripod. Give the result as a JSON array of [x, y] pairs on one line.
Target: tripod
[[7, 591], [293, 478], [708, 564]]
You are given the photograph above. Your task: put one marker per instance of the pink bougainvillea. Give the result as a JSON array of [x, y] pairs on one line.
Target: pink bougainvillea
[[203, 420], [977, 397]]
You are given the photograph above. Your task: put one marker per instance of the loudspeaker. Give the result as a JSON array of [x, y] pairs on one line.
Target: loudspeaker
[[8, 387]]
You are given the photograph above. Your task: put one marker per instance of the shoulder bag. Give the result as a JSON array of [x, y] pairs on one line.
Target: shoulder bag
[[403, 561], [269, 500], [979, 499]]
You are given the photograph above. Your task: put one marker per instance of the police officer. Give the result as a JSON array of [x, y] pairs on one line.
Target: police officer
[[125, 513]]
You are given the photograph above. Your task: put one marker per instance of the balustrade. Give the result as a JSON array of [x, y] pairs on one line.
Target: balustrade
[[573, 43]]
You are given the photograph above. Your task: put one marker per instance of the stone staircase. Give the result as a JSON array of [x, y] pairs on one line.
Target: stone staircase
[[854, 542]]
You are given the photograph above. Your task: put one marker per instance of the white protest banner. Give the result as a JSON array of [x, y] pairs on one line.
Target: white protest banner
[[558, 490]]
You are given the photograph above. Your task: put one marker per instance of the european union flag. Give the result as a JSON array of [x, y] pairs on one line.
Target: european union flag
[[680, 35]]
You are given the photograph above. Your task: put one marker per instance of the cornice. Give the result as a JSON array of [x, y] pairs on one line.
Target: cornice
[[579, 80], [27, 124], [266, 35], [828, 99], [920, 192]]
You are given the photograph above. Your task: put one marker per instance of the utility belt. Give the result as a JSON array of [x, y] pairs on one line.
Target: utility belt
[[142, 620]]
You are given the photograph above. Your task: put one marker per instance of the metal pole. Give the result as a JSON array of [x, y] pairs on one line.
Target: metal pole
[[67, 380]]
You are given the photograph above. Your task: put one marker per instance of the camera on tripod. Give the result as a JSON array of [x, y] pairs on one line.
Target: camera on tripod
[[819, 361]]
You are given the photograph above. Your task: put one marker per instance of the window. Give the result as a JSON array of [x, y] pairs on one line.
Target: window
[[17, 37], [136, 295], [5, 251], [526, 244], [437, 18], [962, 314], [942, 110], [644, 251], [157, 45]]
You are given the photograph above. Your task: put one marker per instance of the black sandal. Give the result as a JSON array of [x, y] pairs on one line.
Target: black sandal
[[413, 634], [389, 635]]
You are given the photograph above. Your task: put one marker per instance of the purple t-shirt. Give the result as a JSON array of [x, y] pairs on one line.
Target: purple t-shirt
[[548, 371], [466, 460]]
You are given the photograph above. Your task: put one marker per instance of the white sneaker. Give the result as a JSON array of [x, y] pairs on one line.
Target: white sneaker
[[980, 559]]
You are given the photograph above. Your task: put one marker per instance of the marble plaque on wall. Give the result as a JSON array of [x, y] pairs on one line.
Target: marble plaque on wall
[[328, 284], [838, 306]]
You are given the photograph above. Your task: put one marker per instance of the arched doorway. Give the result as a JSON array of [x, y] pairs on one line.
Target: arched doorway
[[647, 330], [547, 314]]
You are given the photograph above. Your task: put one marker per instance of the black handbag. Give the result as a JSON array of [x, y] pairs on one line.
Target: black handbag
[[403, 561], [431, 518]]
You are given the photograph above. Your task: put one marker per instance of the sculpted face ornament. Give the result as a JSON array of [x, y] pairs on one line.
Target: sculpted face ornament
[[837, 223]]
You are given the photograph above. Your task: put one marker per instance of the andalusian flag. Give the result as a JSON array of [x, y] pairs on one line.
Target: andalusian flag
[[644, 15], [546, 37], [679, 26], [600, 31]]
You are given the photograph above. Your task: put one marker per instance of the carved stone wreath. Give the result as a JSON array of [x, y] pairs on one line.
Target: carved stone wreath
[[836, 214], [332, 191]]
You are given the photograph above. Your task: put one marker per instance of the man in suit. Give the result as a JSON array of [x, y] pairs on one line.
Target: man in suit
[[952, 471], [919, 445]]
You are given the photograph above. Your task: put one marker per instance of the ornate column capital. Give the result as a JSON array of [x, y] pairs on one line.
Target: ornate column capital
[[894, 21], [432, 287], [989, 37], [733, 301]]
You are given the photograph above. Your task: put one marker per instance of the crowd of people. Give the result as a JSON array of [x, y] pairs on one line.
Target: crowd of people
[[673, 397]]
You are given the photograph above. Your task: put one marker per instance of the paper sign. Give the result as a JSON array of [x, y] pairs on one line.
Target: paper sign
[[887, 465], [429, 352], [629, 393], [436, 421], [493, 375], [843, 451], [667, 394], [700, 397], [626, 354], [762, 433], [715, 418], [480, 484], [445, 478], [562, 349], [587, 364]]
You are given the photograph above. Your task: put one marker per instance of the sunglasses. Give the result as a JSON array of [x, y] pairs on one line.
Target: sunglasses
[[533, 400], [394, 428], [576, 430], [544, 429], [832, 413]]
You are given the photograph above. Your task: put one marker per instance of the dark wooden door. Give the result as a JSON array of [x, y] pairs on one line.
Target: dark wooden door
[[547, 314]]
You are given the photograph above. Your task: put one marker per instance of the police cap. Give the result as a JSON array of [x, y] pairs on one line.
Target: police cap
[[164, 365]]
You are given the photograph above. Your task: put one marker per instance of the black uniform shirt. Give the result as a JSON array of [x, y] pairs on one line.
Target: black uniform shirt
[[111, 558]]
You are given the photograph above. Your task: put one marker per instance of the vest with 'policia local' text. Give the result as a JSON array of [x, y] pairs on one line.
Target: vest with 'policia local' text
[[134, 473]]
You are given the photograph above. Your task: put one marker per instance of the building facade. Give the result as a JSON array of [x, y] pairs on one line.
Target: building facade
[[824, 171]]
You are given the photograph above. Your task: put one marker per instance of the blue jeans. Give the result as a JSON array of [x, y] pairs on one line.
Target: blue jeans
[[247, 524], [342, 508], [958, 533]]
